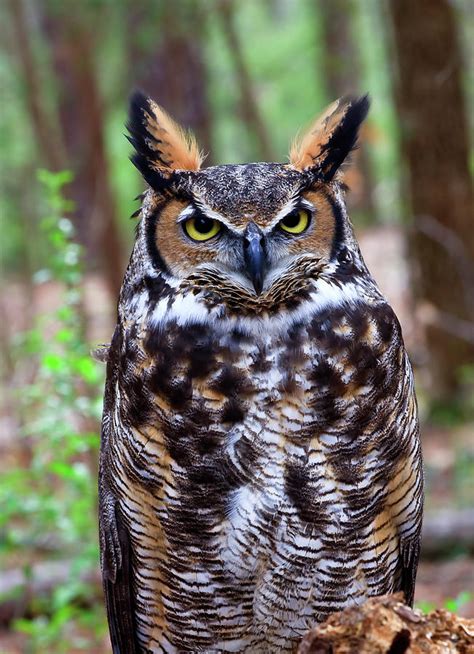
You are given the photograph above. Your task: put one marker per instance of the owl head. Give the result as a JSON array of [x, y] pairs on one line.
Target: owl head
[[249, 235]]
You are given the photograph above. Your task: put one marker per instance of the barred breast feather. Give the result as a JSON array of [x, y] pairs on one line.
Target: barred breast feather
[[258, 472]]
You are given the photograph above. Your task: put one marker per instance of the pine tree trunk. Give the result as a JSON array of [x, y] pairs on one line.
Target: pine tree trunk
[[435, 145]]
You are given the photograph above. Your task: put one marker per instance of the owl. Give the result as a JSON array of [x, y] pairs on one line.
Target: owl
[[260, 462]]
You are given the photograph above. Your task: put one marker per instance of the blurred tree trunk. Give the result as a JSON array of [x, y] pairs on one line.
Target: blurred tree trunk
[[435, 144], [81, 117], [343, 78], [249, 105], [172, 69], [48, 146], [49, 149]]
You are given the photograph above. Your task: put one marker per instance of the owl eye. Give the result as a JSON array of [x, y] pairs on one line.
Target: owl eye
[[295, 222], [201, 228]]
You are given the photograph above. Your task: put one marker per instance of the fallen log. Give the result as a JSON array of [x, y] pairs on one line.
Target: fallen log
[[447, 530], [384, 625]]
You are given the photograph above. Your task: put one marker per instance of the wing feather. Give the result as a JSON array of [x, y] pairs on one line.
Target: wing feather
[[115, 550], [119, 597]]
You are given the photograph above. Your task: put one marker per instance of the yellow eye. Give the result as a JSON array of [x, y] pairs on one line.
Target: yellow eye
[[201, 228], [295, 222]]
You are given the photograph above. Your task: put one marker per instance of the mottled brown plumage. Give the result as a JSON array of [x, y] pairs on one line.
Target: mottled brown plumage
[[260, 462]]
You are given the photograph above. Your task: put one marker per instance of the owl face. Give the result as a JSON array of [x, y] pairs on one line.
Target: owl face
[[243, 228]]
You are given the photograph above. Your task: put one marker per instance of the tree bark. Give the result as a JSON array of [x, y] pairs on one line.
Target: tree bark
[[435, 145]]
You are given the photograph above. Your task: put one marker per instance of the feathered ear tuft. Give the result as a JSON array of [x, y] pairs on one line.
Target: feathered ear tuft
[[330, 138], [161, 145]]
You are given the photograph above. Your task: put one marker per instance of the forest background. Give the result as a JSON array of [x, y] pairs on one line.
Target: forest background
[[244, 76]]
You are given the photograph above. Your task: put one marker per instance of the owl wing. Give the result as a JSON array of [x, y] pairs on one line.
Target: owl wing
[[116, 562], [411, 521], [118, 588], [405, 488], [410, 554]]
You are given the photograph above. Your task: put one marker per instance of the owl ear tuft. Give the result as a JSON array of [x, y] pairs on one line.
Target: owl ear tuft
[[161, 145], [330, 138]]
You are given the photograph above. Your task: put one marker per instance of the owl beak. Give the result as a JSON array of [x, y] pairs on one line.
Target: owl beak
[[254, 256]]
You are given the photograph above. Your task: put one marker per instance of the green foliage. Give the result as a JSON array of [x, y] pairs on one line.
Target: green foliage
[[450, 604], [454, 605], [49, 506], [425, 607]]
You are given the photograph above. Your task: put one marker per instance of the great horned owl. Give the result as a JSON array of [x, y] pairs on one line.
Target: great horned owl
[[260, 463]]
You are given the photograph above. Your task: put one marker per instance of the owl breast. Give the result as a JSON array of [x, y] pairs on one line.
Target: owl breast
[[267, 474]]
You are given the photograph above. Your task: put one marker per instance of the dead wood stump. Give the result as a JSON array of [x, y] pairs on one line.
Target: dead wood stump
[[384, 625]]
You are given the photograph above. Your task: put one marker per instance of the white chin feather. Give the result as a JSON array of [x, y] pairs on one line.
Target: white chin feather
[[187, 308]]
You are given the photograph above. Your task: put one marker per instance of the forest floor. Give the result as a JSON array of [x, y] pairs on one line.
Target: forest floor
[[448, 450]]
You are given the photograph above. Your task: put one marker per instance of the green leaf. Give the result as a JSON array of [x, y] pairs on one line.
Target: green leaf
[[457, 603], [64, 335], [54, 181], [87, 369], [62, 469], [53, 362]]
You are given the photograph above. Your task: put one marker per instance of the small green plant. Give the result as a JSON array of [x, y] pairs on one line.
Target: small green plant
[[50, 508], [424, 606], [454, 605], [450, 604]]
